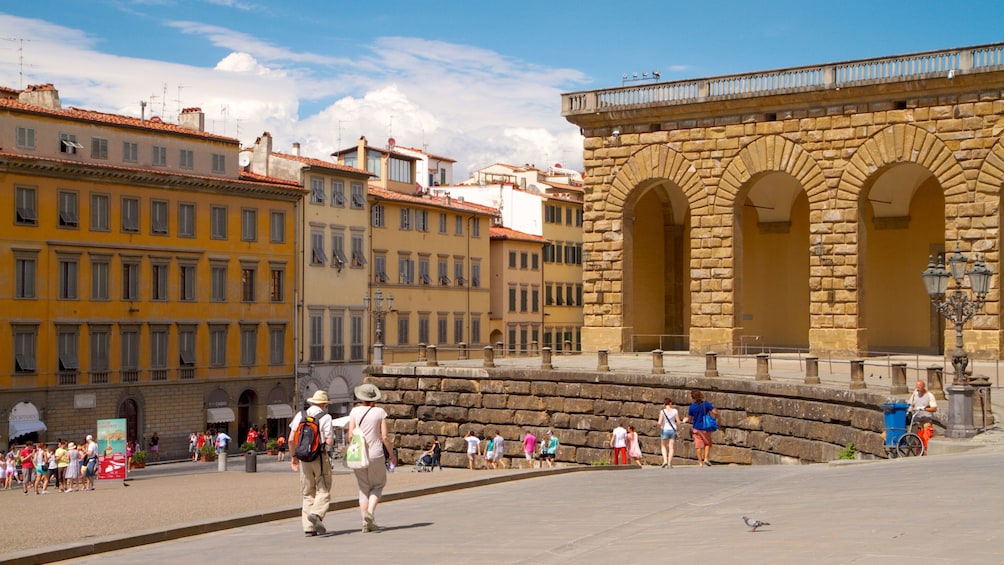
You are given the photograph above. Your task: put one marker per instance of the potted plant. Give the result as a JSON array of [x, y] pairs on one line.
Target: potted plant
[[247, 446], [138, 460], [207, 453], [272, 447]]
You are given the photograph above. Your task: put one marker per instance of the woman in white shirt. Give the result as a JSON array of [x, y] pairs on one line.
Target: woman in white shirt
[[372, 423], [669, 423]]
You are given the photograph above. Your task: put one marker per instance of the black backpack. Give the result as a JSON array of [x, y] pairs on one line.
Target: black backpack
[[307, 439]]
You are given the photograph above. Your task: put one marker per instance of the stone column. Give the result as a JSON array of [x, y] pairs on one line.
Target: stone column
[[500, 347], [464, 354], [534, 347], [545, 359], [432, 357], [762, 367], [421, 352], [812, 370], [936, 381], [657, 366], [602, 363], [857, 375], [568, 347], [711, 364], [898, 379], [489, 357]]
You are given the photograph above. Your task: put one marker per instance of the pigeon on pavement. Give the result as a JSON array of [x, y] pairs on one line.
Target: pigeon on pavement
[[754, 524]]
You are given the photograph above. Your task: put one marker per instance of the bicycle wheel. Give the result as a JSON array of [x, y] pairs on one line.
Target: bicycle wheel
[[910, 445]]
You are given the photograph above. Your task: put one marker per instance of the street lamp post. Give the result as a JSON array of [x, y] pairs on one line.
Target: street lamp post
[[958, 308], [379, 313]]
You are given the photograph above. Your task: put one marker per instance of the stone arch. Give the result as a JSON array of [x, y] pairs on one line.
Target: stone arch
[[654, 162], [991, 175], [771, 153]]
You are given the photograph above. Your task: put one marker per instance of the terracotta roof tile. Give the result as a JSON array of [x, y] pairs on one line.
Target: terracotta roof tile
[[381, 193], [502, 232], [324, 164]]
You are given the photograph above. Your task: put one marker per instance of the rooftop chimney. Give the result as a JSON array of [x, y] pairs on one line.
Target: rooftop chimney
[[192, 118], [44, 95], [296, 148]]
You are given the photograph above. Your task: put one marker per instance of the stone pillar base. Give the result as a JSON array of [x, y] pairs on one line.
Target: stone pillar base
[[617, 339]]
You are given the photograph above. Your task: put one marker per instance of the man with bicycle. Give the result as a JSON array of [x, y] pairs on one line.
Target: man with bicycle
[[922, 403]]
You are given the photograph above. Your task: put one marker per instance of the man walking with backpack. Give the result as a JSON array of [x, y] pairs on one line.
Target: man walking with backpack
[[310, 438]]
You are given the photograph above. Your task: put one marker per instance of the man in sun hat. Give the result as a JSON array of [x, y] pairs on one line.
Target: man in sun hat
[[315, 476], [371, 421]]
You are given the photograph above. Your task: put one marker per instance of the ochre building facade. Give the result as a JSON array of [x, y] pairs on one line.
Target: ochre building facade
[[793, 208]]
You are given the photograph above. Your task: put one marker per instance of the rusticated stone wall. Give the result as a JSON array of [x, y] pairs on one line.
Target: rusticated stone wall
[[761, 422]]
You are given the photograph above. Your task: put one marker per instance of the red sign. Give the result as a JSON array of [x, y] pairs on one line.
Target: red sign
[[111, 467]]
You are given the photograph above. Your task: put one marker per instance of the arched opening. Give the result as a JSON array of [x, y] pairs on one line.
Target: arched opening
[[279, 411], [129, 410], [772, 257], [656, 271], [903, 217], [245, 413]]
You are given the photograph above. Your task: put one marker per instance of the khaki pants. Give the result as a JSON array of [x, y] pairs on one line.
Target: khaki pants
[[315, 484]]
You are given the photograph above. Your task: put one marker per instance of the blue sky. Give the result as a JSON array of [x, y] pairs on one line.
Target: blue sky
[[476, 81]]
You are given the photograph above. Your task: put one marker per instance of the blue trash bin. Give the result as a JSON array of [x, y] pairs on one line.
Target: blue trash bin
[[895, 421]]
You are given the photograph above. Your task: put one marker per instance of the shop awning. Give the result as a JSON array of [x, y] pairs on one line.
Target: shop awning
[[279, 411], [217, 415], [25, 427]]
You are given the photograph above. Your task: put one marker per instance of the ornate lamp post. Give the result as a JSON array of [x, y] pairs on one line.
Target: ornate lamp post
[[958, 308], [379, 313]]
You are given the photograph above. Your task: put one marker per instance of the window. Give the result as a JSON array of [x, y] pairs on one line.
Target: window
[[476, 227], [356, 335], [276, 289], [406, 270], [130, 281], [158, 216], [68, 279], [158, 281], [534, 261], [423, 329], [522, 339], [100, 338], [378, 216], [557, 295], [548, 297], [24, 277], [458, 328], [399, 170], [186, 346], [535, 299], [247, 284], [68, 143], [578, 294], [405, 218], [578, 218], [219, 163], [316, 337], [186, 159], [523, 256], [548, 252], [217, 345], [218, 222], [358, 257], [568, 216], [402, 329], [249, 345], [444, 278], [276, 345], [26, 207], [512, 299], [522, 300], [158, 351], [159, 158], [442, 222], [475, 275], [130, 152], [441, 329], [337, 193], [99, 148], [550, 213], [358, 200], [512, 259], [130, 354], [277, 231], [26, 138], [458, 226], [316, 190], [317, 255], [512, 340], [186, 220], [100, 212], [422, 220], [569, 297], [423, 277], [25, 338], [458, 273], [130, 214], [337, 337], [218, 274], [338, 250], [68, 212], [475, 329], [249, 224], [380, 268], [186, 283], [99, 278], [67, 339]]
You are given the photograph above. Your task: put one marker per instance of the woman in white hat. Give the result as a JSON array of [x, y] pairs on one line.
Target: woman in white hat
[[372, 424]]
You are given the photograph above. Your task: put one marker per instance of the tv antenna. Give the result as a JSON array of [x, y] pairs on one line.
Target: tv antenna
[[20, 59]]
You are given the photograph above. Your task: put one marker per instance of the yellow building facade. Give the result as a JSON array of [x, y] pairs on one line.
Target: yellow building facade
[[562, 261], [517, 277], [145, 276]]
